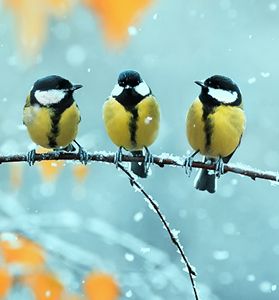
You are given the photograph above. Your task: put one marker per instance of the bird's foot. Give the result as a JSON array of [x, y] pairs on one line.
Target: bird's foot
[[30, 157], [118, 156], [148, 160], [219, 169], [188, 163], [83, 155]]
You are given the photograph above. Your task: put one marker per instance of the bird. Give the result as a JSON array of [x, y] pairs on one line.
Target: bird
[[215, 124], [131, 117], [52, 116]]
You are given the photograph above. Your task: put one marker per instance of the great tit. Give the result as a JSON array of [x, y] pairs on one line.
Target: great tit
[[52, 116], [131, 116], [215, 123]]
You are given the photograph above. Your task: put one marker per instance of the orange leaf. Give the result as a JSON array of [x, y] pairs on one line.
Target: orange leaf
[[99, 286], [16, 175], [5, 282], [80, 172], [44, 285], [71, 297], [21, 251], [117, 15], [49, 168], [59, 7], [32, 19]]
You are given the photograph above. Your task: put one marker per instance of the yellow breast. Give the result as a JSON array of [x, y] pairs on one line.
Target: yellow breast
[[38, 122], [132, 130], [148, 122], [117, 119], [220, 134], [68, 126], [40, 126]]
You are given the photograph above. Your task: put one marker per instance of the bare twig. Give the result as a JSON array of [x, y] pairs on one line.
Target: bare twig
[[161, 161], [172, 236]]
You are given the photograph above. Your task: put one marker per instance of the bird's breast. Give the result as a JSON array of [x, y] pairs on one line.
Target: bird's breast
[[216, 132], [132, 127], [51, 129]]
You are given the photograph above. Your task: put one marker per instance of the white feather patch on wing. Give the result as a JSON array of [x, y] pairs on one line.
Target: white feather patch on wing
[[222, 95], [117, 90], [142, 89], [50, 96]]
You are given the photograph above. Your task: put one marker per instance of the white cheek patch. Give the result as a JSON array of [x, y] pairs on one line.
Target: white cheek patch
[[117, 90], [50, 96], [142, 89], [222, 95]]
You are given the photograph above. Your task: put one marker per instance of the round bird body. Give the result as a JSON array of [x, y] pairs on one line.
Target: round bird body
[[218, 134], [131, 116], [133, 128], [51, 114], [50, 129], [215, 124]]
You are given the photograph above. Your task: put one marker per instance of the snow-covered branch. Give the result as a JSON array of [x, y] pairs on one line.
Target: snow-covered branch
[[161, 161]]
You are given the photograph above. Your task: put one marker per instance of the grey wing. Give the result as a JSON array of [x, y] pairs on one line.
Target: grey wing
[[27, 105]]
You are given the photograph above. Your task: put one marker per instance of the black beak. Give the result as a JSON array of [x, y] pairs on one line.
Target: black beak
[[75, 87], [200, 83]]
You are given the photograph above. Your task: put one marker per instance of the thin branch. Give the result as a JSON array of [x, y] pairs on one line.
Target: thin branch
[[173, 238], [161, 161]]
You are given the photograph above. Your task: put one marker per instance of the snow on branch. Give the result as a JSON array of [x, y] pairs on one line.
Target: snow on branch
[[161, 161], [173, 234]]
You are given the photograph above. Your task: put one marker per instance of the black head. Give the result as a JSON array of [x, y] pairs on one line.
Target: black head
[[52, 90], [218, 89], [129, 78], [130, 89], [52, 82]]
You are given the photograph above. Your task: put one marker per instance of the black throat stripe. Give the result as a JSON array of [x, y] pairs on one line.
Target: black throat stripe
[[57, 111], [133, 124], [208, 126], [55, 118]]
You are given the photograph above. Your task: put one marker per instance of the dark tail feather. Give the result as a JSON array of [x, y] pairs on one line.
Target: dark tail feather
[[206, 180], [139, 168]]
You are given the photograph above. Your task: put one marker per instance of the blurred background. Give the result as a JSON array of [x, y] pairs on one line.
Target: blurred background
[[88, 219]]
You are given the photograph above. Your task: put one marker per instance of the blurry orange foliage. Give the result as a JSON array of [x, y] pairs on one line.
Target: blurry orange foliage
[[19, 250], [44, 285], [49, 168], [100, 286], [16, 172], [80, 172], [32, 20], [117, 15], [16, 249], [5, 282]]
